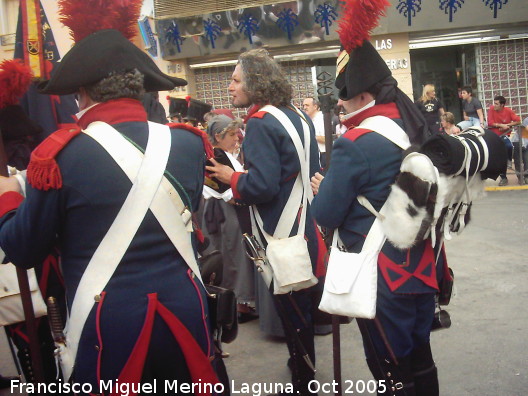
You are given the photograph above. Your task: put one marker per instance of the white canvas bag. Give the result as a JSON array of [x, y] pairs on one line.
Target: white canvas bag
[[11, 308], [351, 279]]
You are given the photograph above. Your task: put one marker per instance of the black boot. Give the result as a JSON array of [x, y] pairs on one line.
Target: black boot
[[5, 382], [302, 373], [424, 371], [393, 380]]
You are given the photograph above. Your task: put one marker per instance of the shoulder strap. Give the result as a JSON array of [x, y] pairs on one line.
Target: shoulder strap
[[167, 205], [374, 240], [116, 241], [301, 191], [388, 129]]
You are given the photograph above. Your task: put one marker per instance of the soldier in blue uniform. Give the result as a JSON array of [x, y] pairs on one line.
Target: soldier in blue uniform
[[366, 163], [150, 321], [272, 165]]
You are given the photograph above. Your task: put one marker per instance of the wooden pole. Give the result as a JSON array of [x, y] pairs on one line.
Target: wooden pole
[[25, 294]]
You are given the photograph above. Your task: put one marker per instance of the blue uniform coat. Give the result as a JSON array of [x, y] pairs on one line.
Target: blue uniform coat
[[76, 216]]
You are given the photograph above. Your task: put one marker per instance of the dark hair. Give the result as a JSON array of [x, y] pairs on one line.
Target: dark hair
[[468, 89], [117, 85], [501, 99], [263, 79]]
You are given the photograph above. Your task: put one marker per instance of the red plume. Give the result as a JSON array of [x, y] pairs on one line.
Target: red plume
[[358, 20], [15, 78], [85, 17]]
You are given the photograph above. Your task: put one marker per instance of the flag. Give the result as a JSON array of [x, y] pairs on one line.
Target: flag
[[35, 45]]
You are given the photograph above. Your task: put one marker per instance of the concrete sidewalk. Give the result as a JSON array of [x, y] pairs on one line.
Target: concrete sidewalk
[[485, 351]]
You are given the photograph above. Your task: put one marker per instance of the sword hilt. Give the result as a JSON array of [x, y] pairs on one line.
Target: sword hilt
[[55, 320]]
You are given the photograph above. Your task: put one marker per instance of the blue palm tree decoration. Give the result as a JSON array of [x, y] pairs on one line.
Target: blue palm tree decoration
[[173, 35], [325, 15], [495, 5], [248, 25], [212, 30], [409, 8], [450, 6], [287, 21]]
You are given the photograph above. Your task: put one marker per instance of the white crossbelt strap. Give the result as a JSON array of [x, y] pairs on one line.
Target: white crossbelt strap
[[388, 129], [149, 190], [391, 131], [301, 192]]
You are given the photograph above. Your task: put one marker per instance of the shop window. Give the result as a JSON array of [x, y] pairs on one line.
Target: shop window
[[503, 71], [9, 16]]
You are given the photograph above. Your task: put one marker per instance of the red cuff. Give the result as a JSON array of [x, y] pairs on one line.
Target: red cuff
[[234, 182], [9, 201]]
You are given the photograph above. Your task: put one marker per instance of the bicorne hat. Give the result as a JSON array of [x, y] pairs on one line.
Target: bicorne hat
[[359, 65], [178, 106], [197, 109], [102, 46]]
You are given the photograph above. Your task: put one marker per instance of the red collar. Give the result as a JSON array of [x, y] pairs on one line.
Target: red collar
[[252, 110], [114, 112], [388, 110]]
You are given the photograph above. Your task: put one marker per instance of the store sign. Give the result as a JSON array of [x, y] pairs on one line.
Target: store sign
[[394, 64], [383, 44], [394, 46]]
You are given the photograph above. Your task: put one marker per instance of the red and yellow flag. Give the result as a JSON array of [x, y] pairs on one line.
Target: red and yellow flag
[[32, 36]]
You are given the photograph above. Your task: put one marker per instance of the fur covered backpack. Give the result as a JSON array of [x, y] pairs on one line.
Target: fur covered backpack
[[433, 193]]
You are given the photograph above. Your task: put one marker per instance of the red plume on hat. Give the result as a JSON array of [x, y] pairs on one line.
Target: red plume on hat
[[15, 78], [88, 16], [102, 30], [358, 20]]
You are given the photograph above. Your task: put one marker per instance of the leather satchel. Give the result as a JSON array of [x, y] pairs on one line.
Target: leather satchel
[[222, 302], [211, 268], [11, 309], [222, 305]]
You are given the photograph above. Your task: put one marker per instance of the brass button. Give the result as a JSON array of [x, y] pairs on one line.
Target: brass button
[[97, 347], [97, 297]]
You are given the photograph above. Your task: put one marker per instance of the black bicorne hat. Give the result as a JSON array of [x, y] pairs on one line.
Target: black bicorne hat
[[178, 106], [359, 70], [99, 54], [197, 110]]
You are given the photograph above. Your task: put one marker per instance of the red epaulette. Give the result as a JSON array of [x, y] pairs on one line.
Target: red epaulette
[[259, 114], [208, 147], [43, 171], [355, 133]]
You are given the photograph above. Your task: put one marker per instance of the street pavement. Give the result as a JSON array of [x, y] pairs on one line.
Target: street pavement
[[484, 352]]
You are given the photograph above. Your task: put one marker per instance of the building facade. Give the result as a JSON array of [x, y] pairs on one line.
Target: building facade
[[482, 43]]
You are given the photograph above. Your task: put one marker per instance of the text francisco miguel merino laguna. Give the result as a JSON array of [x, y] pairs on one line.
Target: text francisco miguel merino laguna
[[129, 388]]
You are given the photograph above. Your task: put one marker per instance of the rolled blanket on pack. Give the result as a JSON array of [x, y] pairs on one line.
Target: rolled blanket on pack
[[449, 153], [446, 152]]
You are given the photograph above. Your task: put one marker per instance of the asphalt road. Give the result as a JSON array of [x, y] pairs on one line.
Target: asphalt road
[[485, 351]]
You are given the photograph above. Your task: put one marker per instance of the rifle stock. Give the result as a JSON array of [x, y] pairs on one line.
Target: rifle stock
[[25, 293]]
